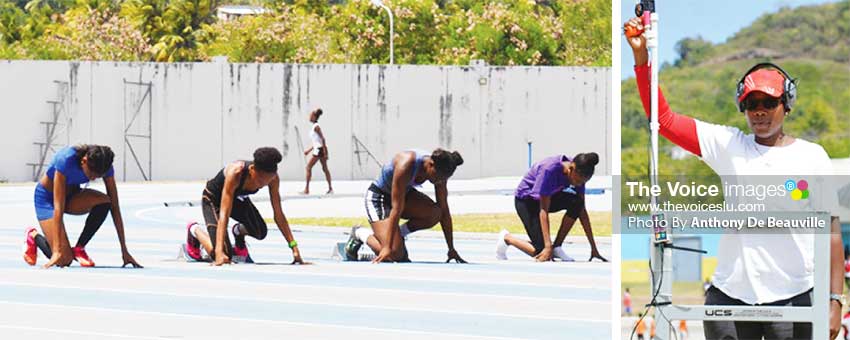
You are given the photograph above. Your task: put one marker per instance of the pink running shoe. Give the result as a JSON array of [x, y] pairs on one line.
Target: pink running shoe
[[193, 246], [240, 254], [30, 250], [83, 258]]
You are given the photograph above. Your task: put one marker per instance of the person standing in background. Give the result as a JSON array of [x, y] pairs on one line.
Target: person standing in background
[[318, 152]]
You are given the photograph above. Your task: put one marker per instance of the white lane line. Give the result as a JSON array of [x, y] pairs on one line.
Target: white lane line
[[424, 275], [140, 214], [202, 282], [308, 302], [71, 332], [279, 322]]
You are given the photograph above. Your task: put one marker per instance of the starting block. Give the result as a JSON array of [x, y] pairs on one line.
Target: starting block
[[340, 255], [183, 256], [339, 252]]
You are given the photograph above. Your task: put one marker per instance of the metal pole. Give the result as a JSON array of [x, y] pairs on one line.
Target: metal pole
[[661, 257], [392, 34], [380, 3]]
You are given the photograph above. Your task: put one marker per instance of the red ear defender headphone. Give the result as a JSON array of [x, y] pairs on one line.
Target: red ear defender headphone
[[789, 90]]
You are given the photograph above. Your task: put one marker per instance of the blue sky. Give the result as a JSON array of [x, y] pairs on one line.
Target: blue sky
[[714, 20]]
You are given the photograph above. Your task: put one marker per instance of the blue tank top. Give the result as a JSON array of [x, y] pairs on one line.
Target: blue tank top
[[385, 179], [66, 161]]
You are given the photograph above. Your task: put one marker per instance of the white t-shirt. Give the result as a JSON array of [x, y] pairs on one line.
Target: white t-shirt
[[315, 138], [762, 268]]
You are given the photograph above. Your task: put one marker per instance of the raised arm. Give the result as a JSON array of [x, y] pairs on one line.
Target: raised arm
[[679, 129]]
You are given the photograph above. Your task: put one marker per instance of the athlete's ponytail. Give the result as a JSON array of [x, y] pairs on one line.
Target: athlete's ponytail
[[266, 159], [586, 163], [446, 162]]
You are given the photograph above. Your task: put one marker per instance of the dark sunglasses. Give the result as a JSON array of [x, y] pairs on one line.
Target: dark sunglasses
[[767, 103]]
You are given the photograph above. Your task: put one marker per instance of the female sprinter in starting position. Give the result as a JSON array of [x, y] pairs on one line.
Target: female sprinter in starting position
[[553, 184], [226, 196], [756, 269], [58, 192], [392, 197]]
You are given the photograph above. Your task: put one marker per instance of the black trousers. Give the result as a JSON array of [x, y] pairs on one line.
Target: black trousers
[[528, 210], [243, 211]]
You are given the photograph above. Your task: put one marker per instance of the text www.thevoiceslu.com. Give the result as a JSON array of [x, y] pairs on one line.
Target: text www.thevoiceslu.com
[[697, 206]]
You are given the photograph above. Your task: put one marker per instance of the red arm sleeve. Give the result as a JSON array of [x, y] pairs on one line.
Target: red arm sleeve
[[677, 128]]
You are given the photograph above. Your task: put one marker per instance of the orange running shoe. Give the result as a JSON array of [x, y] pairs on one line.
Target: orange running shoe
[[83, 258]]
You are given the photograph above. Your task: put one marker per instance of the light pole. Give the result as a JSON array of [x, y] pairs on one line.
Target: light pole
[[380, 3]]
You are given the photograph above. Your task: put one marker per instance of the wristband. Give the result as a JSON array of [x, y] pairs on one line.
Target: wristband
[[293, 244]]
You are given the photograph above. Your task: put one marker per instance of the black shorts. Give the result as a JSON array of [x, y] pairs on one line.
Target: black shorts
[[319, 152], [243, 211], [378, 204], [528, 210]]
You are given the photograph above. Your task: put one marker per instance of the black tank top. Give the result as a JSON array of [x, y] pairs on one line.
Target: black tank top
[[216, 185]]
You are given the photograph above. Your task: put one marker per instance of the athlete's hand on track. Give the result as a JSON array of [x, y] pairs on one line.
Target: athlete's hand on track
[[595, 255], [221, 258], [454, 256], [128, 259], [61, 258], [545, 255], [300, 261], [383, 256], [296, 257]]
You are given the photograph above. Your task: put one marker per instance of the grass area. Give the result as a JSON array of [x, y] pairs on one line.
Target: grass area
[[635, 277], [684, 293], [481, 223], [637, 271]]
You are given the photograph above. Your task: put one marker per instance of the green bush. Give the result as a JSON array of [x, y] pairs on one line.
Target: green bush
[[506, 32]]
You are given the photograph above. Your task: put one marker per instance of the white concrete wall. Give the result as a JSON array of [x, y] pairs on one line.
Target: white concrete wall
[[206, 114]]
